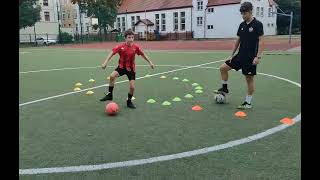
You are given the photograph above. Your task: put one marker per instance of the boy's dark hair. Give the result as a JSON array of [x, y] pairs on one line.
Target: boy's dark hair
[[246, 7], [128, 32]]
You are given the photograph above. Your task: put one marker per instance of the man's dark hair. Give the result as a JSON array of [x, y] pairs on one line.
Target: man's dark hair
[[128, 32], [246, 7]]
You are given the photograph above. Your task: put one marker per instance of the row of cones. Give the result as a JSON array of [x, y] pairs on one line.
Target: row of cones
[[77, 87]]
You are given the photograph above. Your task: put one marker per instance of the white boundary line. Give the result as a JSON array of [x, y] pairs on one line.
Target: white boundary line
[[166, 72], [205, 150], [91, 67]]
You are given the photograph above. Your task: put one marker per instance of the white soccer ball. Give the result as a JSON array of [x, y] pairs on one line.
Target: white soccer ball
[[220, 98]]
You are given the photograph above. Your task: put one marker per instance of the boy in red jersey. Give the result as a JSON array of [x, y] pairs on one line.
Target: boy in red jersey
[[127, 52]]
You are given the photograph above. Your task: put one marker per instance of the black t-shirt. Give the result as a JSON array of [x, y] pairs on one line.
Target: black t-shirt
[[249, 39]]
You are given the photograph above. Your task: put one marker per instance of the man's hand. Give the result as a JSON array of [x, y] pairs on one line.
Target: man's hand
[[255, 61]]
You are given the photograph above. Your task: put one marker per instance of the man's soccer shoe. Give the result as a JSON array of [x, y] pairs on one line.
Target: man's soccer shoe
[[245, 105], [223, 91]]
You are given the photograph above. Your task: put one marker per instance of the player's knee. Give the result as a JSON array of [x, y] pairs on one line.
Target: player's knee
[[131, 88], [223, 68]]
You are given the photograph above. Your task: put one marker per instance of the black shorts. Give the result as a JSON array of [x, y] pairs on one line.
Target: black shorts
[[130, 74], [247, 68]]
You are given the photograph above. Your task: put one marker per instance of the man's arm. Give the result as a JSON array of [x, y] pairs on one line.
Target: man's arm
[[104, 64], [261, 46], [260, 50], [236, 46]]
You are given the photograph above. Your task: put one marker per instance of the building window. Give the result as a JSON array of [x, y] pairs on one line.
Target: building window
[[123, 24], [182, 21], [163, 22], [269, 12], [199, 21], [210, 26], [118, 24], [258, 12], [271, 24], [46, 16], [200, 5], [63, 16], [45, 3], [69, 15], [275, 11], [210, 10], [77, 28], [133, 23], [157, 22], [75, 14], [268, 24], [138, 18], [175, 21], [261, 11]]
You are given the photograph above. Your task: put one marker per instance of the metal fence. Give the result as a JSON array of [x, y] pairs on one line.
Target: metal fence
[[29, 39]]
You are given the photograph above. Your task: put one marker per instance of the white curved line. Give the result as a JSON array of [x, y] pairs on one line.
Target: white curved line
[[165, 157]]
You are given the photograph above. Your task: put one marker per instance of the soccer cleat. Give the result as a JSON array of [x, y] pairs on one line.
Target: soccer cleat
[[130, 104], [224, 91], [245, 105], [108, 96]]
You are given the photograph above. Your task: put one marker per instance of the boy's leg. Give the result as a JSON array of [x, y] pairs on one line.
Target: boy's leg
[[131, 77], [109, 94]]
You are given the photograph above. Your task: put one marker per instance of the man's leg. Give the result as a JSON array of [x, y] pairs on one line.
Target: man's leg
[[109, 94], [249, 72], [234, 63]]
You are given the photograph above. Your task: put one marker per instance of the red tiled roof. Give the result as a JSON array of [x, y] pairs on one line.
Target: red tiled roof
[[145, 21], [271, 3], [150, 5], [222, 2]]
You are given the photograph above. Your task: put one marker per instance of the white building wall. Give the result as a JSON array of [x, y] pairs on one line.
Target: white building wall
[[151, 17], [198, 29], [225, 20]]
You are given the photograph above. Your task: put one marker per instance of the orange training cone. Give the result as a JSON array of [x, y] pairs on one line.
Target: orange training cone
[[240, 114], [197, 108], [287, 121]]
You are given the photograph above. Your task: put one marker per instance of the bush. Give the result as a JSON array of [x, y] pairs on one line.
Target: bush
[[65, 37]]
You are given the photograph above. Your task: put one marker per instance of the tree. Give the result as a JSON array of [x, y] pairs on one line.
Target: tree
[[283, 21], [104, 10], [29, 13]]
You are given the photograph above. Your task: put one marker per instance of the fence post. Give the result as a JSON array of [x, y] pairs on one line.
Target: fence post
[[30, 38], [47, 36]]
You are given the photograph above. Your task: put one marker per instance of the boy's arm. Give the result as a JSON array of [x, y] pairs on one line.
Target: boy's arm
[[104, 64], [148, 60]]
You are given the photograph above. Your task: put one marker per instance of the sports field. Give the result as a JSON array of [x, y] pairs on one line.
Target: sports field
[[65, 134]]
